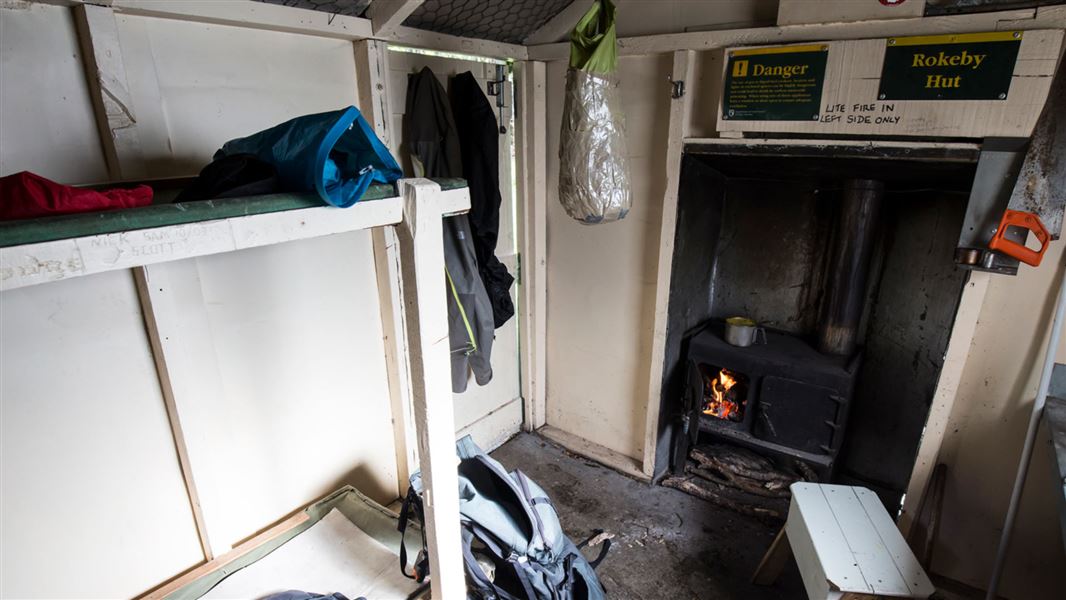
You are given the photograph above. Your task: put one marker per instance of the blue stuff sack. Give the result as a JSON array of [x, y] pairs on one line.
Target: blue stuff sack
[[335, 154]]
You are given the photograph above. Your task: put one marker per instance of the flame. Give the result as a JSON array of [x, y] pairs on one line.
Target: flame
[[718, 405]]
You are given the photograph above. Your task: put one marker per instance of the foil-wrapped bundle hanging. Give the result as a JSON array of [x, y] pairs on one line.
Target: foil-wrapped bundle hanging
[[593, 163]]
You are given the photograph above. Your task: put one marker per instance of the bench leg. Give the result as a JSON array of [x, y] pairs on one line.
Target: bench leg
[[773, 562]]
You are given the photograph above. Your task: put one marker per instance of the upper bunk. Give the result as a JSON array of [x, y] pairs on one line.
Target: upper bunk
[[40, 250]]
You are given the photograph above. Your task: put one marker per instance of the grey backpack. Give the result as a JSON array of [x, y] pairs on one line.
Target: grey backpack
[[513, 545]]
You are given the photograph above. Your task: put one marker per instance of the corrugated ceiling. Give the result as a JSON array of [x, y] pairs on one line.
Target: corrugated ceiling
[[500, 20]]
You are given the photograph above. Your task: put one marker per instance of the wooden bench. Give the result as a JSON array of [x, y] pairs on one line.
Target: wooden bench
[[846, 547]]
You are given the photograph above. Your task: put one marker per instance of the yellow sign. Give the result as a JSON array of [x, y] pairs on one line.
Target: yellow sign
[[780, 83]]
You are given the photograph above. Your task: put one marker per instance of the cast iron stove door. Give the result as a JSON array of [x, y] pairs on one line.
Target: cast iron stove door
[[798, 415]]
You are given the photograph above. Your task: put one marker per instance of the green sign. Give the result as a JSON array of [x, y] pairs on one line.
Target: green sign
[[783, 83], [973, 66]]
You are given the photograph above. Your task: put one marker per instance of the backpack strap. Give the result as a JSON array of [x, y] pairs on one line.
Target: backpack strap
[[412, 506], [482, 580], [523, 576], [603, 553], [542, 500]]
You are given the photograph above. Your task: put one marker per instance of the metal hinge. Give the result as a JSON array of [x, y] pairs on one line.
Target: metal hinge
[[518, 269], [677, 89]]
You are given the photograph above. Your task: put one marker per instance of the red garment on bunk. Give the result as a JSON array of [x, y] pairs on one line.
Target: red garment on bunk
[[26, 195]]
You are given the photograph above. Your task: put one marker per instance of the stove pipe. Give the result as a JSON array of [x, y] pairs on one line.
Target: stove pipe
[[860, 204]]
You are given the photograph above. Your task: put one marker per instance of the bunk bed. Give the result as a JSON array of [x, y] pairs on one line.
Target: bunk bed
[[41, 251]]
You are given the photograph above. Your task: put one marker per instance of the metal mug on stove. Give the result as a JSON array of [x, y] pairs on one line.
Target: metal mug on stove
[[743, 332]]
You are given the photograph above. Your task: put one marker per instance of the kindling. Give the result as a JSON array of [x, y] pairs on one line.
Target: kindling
[[943, 59]]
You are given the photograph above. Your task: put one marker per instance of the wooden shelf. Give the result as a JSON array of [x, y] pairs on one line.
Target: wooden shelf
[[46, 229], [55, 248]]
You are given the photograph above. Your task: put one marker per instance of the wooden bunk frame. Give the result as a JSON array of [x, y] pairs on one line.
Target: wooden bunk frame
[[410, 276], [406, 238]]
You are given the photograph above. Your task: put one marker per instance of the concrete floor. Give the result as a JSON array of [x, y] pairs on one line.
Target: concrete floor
[[667, 544]]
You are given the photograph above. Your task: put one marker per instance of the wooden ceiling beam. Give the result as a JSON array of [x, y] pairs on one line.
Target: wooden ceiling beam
[[387, 15], [558, 28]]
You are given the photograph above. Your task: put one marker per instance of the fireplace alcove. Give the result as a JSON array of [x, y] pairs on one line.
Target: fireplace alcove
[[757, 229]]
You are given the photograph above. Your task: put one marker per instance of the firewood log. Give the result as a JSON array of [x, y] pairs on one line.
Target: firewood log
[[746, 504], [768, 489]]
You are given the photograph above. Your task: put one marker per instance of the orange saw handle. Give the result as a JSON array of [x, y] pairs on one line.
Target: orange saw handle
[[1026, 220]]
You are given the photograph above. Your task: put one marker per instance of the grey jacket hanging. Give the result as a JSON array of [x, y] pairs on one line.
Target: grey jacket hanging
[[431, 138]]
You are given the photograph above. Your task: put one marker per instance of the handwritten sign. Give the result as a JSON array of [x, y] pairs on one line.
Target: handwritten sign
[[783, 83], [972, 66]]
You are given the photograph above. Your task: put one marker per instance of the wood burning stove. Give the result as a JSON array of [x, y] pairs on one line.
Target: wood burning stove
[[782, 398], [795, 397], [855, 283]]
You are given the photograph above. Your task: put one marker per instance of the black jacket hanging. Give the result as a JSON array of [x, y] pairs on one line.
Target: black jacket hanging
[[479, 142]]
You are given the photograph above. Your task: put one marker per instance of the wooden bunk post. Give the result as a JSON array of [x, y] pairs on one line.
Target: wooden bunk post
[[421, 237], [372, 67], [532, 238]]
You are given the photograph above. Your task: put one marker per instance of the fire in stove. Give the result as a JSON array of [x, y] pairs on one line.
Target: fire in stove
[[725, 393]]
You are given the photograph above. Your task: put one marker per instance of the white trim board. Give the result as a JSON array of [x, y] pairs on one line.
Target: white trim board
[[421, 238], [1047, 17], [830, 143], [605, 456], [677, 129], [256, 15], [947, 389], [559, 27], [494, 429], [31, 264], [290, 19], [532, 223], [387, 15]]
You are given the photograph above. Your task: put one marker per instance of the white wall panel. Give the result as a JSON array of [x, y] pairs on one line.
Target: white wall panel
[[93, 501], [196, 85], [601, 278], [46, 117], [984, 440], [304, 406]]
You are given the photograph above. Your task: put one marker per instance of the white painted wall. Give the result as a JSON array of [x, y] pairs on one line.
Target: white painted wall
[[601, 278], [46, 117], [88, 471], [303, 407], [196, 85], [93, 503], [984, 439]]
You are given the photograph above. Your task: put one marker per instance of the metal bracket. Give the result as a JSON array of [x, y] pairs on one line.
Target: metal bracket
[[677, 89], [997, 171], [497, 88]]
